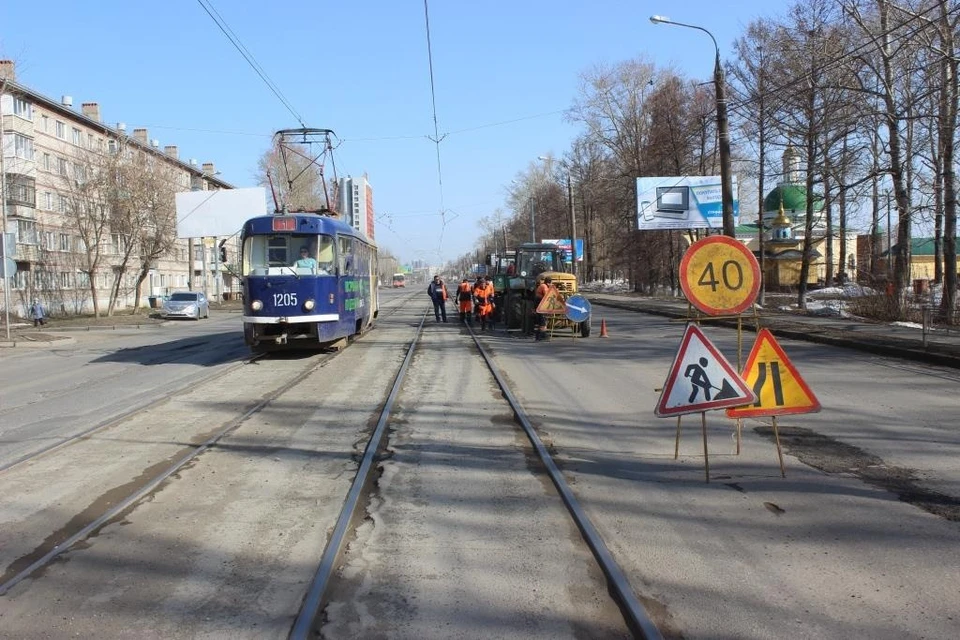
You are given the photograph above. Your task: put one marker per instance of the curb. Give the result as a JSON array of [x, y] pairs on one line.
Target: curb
[[36, 344]]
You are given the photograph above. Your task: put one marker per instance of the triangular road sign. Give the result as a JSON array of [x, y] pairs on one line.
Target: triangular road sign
[[552, 303], [775, 381], [701, 379]]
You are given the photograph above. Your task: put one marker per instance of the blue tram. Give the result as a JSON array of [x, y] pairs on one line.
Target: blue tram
[[309, 281]]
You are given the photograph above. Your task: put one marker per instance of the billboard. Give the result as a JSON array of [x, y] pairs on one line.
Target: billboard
[[218, 213], [682, 202], [564, 243]]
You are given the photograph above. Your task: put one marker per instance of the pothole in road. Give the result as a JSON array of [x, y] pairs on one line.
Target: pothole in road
[[832, 456]]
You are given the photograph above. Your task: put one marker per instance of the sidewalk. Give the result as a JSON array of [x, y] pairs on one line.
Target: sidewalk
[[942, 347]]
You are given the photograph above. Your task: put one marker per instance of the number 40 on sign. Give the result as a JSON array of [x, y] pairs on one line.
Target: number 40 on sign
[[719, 276]]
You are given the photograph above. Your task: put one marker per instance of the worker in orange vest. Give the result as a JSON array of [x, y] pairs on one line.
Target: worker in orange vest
[[540, 328], [465, 300], [483, 295]]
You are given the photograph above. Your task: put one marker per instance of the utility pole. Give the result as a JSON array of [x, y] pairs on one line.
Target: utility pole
[[3, 231], [573, 228]]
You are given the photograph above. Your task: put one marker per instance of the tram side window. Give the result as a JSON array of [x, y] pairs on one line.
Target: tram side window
[[346, 256], [325, 255]]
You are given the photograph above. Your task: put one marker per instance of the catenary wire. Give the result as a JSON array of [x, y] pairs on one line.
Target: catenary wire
[[235, 41]]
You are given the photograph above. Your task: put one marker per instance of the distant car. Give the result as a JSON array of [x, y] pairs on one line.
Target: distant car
[[186, 304]]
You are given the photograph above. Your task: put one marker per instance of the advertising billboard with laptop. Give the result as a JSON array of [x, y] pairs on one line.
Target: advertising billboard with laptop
[[682, 202]]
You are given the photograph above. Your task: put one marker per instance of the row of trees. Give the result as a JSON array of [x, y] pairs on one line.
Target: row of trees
[[865, 89]]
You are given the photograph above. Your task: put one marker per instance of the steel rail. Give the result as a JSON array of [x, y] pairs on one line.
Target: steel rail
[[144, 491], [637, 618], [303, 625]]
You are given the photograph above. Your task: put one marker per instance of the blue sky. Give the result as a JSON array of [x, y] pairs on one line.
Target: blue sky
[[505, 71]]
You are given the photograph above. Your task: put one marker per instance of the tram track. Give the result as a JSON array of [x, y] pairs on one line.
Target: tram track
[[635, 616], [66, 539], [367, 467]]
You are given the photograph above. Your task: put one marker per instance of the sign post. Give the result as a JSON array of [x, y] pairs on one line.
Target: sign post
[[700, 380]]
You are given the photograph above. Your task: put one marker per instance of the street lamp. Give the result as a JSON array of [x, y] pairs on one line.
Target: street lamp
[[723, 133]]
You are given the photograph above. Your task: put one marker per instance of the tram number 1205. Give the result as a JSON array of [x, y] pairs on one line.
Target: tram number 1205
[[284, 299]]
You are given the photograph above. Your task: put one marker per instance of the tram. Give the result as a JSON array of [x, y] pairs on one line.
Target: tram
[[309, 281], [399, 280]]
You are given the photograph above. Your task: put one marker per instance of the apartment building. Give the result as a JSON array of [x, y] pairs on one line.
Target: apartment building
[[356, 204], [66, 234]]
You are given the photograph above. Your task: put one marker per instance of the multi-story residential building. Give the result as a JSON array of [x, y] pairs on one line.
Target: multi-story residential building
[[356, 203], [49, 152]]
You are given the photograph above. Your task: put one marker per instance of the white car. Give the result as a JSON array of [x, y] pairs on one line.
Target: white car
[[186, 304]]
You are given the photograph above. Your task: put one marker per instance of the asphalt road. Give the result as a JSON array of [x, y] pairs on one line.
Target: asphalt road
[[858, 541]]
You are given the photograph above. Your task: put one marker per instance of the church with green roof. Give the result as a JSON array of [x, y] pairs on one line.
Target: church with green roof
[[784, 225]]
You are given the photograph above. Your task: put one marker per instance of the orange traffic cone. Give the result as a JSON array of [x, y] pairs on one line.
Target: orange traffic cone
[[603, 329]]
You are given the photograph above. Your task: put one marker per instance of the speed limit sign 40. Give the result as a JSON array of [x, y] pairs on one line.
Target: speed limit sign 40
[[719, 276]]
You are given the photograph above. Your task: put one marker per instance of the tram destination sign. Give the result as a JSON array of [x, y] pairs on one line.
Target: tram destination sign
[[719, 276]]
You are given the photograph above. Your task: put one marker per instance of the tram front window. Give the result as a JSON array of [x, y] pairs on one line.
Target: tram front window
[[298, 254]]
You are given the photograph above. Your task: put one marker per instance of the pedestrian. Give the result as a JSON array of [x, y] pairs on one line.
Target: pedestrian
[[483, 296], [37, 314], [465, 300], [437, 291]]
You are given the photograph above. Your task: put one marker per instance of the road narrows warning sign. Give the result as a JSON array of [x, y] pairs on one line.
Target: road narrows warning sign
[[701, 379], [776, 382]]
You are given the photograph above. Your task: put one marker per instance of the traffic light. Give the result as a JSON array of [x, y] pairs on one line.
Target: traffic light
[[223, 251]]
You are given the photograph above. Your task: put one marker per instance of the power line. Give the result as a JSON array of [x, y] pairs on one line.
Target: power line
[[235, 41], [436, 129]]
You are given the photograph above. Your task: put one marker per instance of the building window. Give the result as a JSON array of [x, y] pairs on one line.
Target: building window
[[27, 231], [89, 141], [83, 279], [47, 201], [49, 240], [46, 162], [77, 137], [64, 242], [22, 146], [66, 280], [62, 166], [79, 172], [22, 108], [62, 205], [45, 123], [61, 130]]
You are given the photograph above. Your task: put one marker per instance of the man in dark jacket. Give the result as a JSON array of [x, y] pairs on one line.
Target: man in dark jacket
[[437, 291]]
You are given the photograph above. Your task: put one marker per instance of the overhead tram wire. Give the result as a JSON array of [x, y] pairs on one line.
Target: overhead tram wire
[[235, 41], [437, 138]]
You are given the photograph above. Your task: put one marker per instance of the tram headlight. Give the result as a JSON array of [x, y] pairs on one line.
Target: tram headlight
[[309, 305], [256, 305]]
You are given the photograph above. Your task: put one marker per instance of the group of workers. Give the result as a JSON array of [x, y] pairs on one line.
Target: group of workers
[[476, 301], [473, 301]]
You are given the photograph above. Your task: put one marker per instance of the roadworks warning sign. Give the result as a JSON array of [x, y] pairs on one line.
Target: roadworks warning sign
[[701, 379], [552, 303]]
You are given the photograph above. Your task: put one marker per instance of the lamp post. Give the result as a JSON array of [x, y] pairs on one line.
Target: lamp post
[[723, 132]]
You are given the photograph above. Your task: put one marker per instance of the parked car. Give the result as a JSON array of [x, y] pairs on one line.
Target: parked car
[[186, 304]]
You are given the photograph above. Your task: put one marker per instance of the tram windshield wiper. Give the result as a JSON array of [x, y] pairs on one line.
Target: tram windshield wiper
[[293, 271]]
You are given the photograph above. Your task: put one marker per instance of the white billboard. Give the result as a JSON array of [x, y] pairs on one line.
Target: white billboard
[[682, 202], [205, 214]]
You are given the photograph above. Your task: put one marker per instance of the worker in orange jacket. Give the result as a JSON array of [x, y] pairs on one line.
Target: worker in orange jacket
[[543, 287], [483, 296], [465, 300]]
